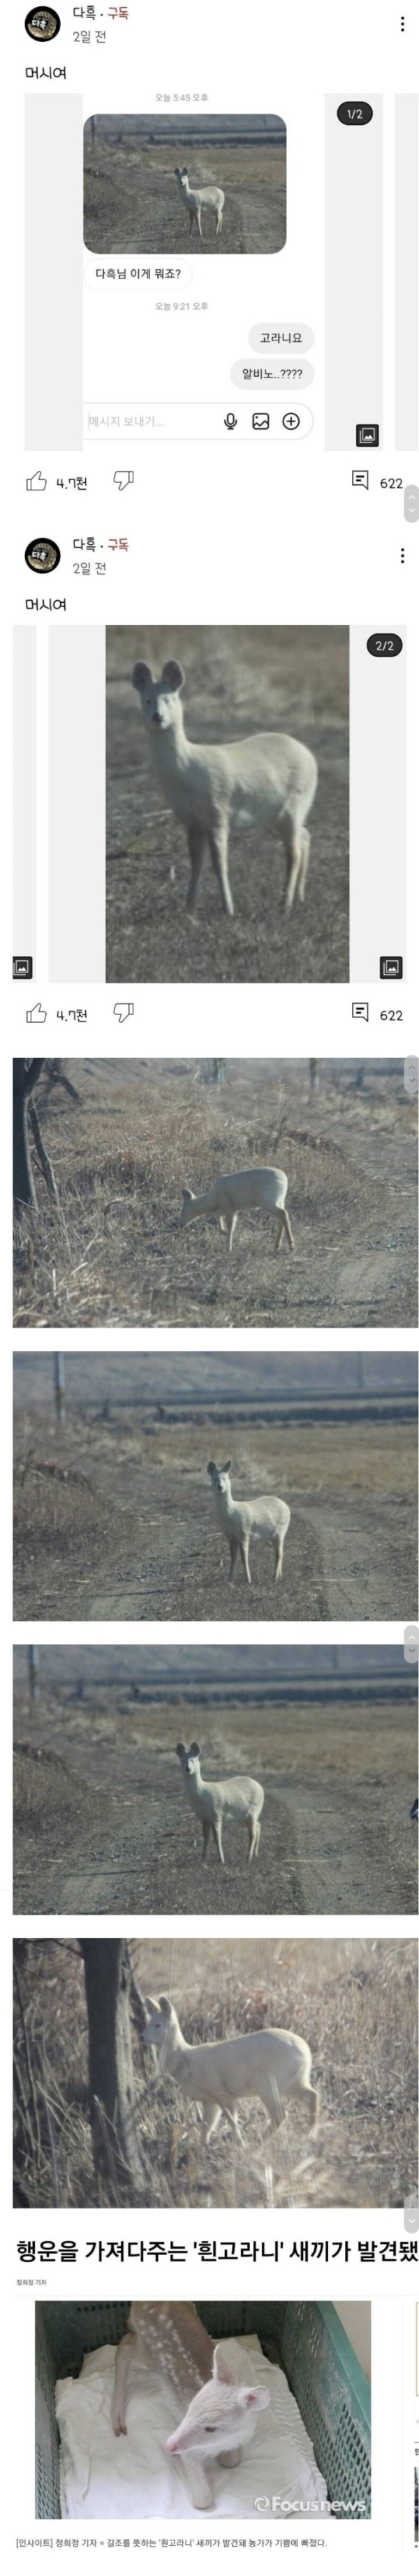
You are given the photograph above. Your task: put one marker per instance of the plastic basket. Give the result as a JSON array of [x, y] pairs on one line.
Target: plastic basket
[[304, 2336]]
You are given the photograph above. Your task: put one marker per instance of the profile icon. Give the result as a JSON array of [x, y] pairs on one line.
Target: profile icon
[[42, 25], [42, 555]]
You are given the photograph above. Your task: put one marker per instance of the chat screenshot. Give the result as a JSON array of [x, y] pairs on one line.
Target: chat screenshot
[[209, 1346]]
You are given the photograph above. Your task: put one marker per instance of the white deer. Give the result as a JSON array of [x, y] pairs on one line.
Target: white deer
[[266, 780], [264, 1187], [239, 1800], [265, 1517], [221, 2411], [197, 198], [271, 2065]]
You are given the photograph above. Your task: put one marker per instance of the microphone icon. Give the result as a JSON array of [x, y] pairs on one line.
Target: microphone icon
[[230, 420]]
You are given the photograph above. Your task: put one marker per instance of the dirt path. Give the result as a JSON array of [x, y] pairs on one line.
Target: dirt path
[[333, 1849], [189, 1590], [369, 1555]]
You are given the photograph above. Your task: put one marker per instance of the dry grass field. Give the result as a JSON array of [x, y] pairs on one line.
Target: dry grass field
[[132, 201], [113, 1511], [354, 2001], [113, 1253], [102, 1824], [238, 681]]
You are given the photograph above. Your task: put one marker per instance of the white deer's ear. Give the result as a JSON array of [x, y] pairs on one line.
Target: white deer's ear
[[255, 2397], [165, 2007], [221, 2368], [225, 1470], [141, 676], [180, 1749], [212, 1470], [151, 2005], [172, 677]]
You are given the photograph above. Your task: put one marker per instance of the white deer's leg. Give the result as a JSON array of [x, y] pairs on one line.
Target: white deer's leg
[[198, 218], [223, 2112], [279, 1551], [233, 1553], [206, 1830], [294, 854], [219, 219], [293, 836], [218, 841], [280, 1229], [216, 1830], [122, 2363], [305, 842], [214, 2122], [196, 847], [277, 2114], [244, 1552], [198, 2483], [288, 1230], [233, 1223]]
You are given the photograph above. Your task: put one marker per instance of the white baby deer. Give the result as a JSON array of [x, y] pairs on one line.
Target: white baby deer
[[267, 780], [264, 1187], [273, 2065], [265, 1517], [197, 198], [168, 2336], [215, 1800]]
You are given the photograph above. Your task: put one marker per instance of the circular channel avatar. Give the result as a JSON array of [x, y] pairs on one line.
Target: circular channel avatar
[[42, 25], [42, 555]]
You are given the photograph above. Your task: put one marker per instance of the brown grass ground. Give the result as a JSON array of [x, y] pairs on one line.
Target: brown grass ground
[[113, 1252], [354, 2001], [102, 1823], [132, 202], [239, 681]]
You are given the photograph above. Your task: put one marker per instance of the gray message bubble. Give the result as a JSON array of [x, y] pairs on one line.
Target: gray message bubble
[[289, 378], [287, 338], [411, 2217], [411, 1075]]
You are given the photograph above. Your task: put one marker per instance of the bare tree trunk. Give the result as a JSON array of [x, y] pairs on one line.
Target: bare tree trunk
[[25, 1075], [43, 1157], [113, 2113]]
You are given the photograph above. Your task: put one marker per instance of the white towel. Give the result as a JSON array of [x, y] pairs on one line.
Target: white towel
[[129, 2479]]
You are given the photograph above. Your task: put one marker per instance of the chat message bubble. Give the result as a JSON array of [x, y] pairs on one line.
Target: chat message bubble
[[289, 378], [284, 336]]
